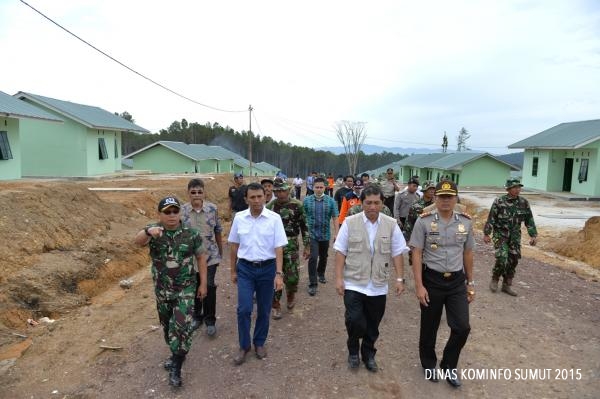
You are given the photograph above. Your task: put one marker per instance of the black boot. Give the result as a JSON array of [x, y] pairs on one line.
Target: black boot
[[175, 372]]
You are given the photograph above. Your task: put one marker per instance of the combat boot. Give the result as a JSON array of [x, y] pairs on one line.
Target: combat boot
[[291, 300], [494, 284], [276, 309], [506, 287], [175, 372]]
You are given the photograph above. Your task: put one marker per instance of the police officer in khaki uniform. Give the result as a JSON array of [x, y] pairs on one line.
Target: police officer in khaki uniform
[[442, 260]]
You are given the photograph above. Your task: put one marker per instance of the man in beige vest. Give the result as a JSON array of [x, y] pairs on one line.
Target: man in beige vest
[[367, 246]]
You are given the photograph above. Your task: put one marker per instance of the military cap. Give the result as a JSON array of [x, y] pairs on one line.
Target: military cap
[[428, 184], [280, 185], [510, 183], [446, 187], [168, 202]]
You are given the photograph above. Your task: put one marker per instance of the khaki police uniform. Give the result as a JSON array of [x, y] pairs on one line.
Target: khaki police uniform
[[443, 244]]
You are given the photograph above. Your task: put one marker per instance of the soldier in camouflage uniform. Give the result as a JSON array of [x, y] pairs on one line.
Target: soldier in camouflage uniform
[[294, 222], [173, 248], [504, 223], [417, 208]]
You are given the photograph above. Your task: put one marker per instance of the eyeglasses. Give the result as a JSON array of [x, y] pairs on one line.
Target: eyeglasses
[[196, 192], [171, 212]]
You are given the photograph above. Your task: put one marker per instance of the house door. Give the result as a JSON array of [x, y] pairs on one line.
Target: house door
[[568, 174]]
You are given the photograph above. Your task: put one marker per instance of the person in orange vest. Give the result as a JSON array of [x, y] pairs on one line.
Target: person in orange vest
[[330, 185], [350, 199]]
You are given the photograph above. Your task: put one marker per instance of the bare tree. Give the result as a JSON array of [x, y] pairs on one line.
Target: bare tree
[[352, 135], [462, 138]]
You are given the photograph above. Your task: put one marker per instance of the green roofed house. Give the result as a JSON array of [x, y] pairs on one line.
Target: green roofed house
[[88, 143], [178, 157], [12, 114], [563, 158], [464, 168]]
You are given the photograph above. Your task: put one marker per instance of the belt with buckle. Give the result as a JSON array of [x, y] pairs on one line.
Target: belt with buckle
[[258, 263], [446, 275]]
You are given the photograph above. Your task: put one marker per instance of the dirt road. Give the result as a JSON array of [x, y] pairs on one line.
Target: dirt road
[[552, 325]]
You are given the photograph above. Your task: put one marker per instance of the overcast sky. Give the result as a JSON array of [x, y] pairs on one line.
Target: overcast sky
[[411, 70]]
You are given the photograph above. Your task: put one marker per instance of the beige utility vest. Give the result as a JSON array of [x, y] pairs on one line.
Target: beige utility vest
[[361, 266]]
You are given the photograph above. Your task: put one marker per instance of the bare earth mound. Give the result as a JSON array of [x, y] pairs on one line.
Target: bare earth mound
[[64, 248]]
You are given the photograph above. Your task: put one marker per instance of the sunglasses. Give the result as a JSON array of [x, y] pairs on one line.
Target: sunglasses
[[171, 212], [196, 192]]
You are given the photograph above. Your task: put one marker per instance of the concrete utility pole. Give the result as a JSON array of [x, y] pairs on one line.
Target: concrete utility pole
[[250, 109]]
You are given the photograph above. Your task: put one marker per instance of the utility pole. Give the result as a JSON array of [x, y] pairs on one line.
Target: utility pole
[[250, 109]]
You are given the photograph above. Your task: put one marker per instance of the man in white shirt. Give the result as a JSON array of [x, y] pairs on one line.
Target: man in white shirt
[[257, 238], [298, 186], [362, 268]]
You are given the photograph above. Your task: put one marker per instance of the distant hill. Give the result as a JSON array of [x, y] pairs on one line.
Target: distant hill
[[369, 149]]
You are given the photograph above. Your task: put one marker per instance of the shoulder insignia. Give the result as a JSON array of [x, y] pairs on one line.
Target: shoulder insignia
[[465, 214], [429, 208], [425, 214]]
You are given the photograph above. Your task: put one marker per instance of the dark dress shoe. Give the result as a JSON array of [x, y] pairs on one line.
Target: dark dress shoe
[[168, 364], [371, 364], [240, 357], [312, 290], [322, 280], [454, 381], [353, 361], [431, 374], [261, 352]]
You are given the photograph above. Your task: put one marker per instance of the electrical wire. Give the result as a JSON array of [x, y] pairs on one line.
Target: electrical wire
[[127, 67]]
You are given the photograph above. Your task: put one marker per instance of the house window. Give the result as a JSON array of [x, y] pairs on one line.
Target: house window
[[5, 152], [102, 153], [583, 169], [116, 150], [534, 167]]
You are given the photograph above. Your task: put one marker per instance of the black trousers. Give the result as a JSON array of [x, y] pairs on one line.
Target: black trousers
[[206, 309], [389, 202], [363, 315], [317, 263], [451, 294]]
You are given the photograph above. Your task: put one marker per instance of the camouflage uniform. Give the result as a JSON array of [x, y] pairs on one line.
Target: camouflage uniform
[[358, 209], [175, 282], [504, 220], [294, 222], [413, 214]]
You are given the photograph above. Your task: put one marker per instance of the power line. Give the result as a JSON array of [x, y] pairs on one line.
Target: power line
[[127, 67]]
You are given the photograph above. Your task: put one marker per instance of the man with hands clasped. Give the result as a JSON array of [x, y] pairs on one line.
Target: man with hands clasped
[[368, 245]]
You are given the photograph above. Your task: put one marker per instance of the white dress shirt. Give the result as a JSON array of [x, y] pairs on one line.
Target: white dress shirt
[[257, 236]]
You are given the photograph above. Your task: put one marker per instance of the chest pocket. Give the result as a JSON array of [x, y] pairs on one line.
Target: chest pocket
[[183, 251], [433, 238], [385, 245], [354, 244], [461, 238]]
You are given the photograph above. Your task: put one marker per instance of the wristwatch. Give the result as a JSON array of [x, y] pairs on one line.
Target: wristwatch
[[279, 274], [471, 283], [400, 280]]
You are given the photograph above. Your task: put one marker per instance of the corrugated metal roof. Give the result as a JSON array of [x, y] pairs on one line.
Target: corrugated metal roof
[[93, 117], [566, 135], [15, 108]]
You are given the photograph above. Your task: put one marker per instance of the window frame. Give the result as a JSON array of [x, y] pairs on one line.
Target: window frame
[[535, 166], [584, 165], [5, 151], [102, 151]]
